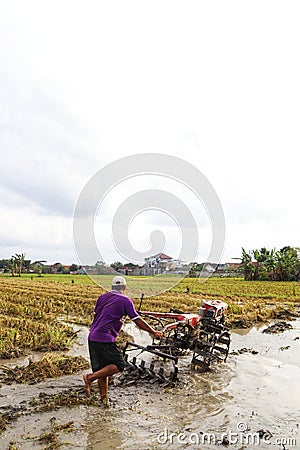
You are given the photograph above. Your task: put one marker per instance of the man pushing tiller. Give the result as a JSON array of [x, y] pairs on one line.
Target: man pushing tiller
[[106, 358]]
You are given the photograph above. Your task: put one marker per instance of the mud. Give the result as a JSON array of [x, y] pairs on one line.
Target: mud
[[240, 351], [277, 327], [286, 314], [251, 395]]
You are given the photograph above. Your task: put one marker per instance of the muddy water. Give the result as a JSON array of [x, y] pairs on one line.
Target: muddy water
[[251, 392]]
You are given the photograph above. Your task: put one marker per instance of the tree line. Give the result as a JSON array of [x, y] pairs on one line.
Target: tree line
[[18, 264], [274, 265], [260, 264]]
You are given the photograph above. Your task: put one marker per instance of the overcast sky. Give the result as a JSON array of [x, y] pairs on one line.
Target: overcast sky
[[83, 84]]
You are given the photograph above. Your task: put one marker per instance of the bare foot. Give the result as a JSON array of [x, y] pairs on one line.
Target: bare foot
[[105, 402], [87, 384]]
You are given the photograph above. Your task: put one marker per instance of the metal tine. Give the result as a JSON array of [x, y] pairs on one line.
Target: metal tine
[[142, 366], [174, 375], [152, 369], [132, 366], [153, 373], [134, 361], [142, 372], [148, 374], [172, 378], [137, 368], [161, 375]]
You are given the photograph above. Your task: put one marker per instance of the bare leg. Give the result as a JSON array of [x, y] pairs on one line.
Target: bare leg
[[103, 389], [107, 371]]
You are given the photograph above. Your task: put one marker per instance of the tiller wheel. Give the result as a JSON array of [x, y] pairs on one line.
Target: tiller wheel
[[212, 346]]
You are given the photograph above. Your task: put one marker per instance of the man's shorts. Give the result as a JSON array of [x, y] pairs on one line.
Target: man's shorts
[[104, 353]]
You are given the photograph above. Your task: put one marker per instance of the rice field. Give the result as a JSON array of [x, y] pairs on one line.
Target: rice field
[[32, 308]]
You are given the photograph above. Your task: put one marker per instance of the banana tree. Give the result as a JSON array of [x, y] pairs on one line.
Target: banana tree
[[270, 264], [246, 265], [281, 265], [265, 260], [287, 264]]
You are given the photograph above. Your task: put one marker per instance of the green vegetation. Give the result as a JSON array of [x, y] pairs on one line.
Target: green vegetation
[[282, 265]]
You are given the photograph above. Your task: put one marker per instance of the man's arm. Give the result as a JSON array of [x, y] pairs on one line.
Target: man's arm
[[143, 325]]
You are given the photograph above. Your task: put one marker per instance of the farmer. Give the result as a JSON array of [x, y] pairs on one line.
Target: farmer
[[106, 358]]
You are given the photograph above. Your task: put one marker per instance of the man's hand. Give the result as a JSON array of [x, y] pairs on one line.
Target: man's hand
[[158, 334], [144, 326]]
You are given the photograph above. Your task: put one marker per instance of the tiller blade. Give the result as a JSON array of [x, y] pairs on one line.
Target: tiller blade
[[152, 373]]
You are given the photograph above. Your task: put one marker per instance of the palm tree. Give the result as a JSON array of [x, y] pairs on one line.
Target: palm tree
[[20, 259], [12, 264]]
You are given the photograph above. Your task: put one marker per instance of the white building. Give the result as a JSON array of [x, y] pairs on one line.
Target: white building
[[162, 263], [157, 264]]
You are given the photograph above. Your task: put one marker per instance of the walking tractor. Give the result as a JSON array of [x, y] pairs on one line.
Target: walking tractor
[[203, 334]]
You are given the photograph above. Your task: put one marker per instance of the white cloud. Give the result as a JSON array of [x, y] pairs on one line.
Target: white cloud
[[39, 236], [82, 85]]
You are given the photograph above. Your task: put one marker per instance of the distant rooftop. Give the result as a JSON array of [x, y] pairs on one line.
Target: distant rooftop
[[161, 256]]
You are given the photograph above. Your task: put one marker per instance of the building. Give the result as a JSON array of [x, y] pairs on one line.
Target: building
[[130, 269], [162, 263], [157, 264]]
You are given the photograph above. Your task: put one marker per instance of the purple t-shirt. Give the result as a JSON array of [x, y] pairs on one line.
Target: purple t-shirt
[[109, 310]]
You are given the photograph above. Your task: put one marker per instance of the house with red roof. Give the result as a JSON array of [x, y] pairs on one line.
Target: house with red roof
[[158, 264]]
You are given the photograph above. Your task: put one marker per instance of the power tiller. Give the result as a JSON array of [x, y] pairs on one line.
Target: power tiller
[[204, 334]]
